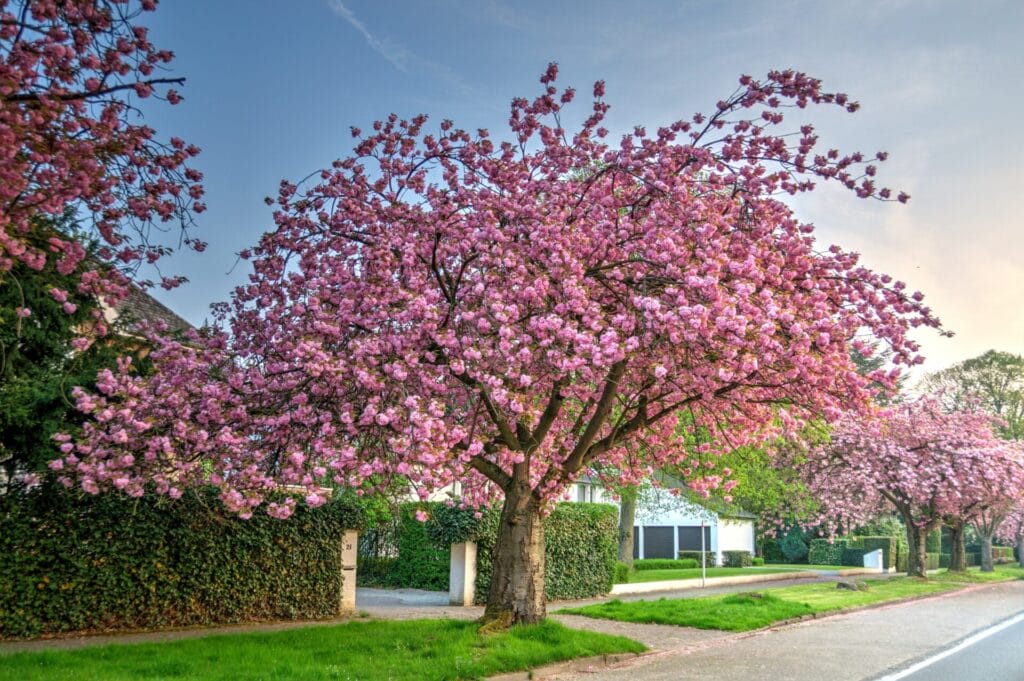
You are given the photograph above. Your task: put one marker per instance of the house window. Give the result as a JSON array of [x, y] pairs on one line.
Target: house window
[[689, 538], [585, 492]]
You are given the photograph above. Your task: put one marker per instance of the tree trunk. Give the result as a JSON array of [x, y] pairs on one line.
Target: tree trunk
[[917, 559], [957, 550], [517, 583], [627, 520], [986, 553], [1020, 549]]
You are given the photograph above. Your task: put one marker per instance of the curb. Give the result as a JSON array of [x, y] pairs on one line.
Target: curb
[[581, 665]]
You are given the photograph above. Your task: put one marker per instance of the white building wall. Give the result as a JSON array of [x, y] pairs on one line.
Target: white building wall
[[735, 535]]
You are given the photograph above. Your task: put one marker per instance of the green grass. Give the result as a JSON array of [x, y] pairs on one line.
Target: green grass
[[694, 573], [369, 650], [1003, 573], [753, 610], [806, 566]]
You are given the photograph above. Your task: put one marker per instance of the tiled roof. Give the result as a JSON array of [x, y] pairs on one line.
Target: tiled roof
[[140, 307]]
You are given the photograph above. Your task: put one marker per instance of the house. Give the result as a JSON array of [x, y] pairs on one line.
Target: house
[[667, 524]]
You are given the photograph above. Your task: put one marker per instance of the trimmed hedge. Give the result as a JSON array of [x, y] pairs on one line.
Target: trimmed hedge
[[771, 551], [1002, 552], [757, 560], [824, 552], [620, 574], [665, 564], [853, 557], [736, 559], [933, 542], [890, 549], [72, 562], [580, 545], [709, 556], [932, 560]]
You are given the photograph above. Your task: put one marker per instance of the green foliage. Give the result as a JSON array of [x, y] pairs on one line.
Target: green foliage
[[852, 556], [931, 561], [70, 561], [665, 564], [890, 549], [736, 559], [772, 551], [794, 546], [368, 650], [374, 571], [902, 558], [944, 560], [709, 557], [38, 366], [823, 552], [447, 525], [994, 380], [621, 574], [580, 546], [422, 562], [883, 526], [933, 542], [757, 560]]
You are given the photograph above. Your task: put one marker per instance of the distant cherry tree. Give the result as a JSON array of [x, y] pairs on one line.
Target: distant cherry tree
[[443, 307]]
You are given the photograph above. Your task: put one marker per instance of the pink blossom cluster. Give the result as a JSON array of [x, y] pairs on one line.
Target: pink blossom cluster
[[445, 307], [70, 137], [927, 464]]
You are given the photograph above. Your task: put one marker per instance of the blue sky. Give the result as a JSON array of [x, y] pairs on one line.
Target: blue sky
[[273, 87]]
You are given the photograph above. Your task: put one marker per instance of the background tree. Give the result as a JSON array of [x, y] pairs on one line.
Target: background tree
[[71, 76], [914, 458], [1012, 530], [994, 379], [444, 307]]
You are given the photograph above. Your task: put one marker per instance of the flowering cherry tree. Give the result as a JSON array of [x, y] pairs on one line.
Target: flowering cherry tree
[[1012, 529], [71, 76], [931, 466], [445, 307]]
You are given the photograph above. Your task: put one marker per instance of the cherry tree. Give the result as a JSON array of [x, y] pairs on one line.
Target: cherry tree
[[72, 75], [995, 485], [446, 307], [1012, 529], [929, 465]]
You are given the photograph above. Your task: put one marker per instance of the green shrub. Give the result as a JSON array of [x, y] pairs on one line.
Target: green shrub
[[371, 571], [933, 542], [665, 564], [890, 549], [854, 542], [1002, 552], [824, 552], [944, 560], [621, 574], [422, 563], [902, 559], [771, 551], [931, 561], [736, 559], [71, 561], [854, 557], [793, 546], [757, 560], [709, 557], [973, 558], [580, 545]]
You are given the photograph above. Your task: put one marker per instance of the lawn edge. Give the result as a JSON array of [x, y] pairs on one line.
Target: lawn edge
[[582, 665]]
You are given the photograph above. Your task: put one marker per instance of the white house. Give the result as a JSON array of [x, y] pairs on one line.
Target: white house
[[667, 524]]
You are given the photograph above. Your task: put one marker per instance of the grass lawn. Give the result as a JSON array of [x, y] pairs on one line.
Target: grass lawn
[[1003, 573], [366, 650], [756, 609], [805, 566], [694, 573]]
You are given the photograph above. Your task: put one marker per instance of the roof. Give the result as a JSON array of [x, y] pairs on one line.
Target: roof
[[139, 308]]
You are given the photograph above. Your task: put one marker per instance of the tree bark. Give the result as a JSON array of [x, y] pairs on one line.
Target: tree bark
[[957, 550], [986, 553], [517, 583], [627, 520], [1020, 549], [917, 559]]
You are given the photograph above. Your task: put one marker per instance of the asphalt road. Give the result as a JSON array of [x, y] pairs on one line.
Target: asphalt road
[[869, 644], [997, 656]]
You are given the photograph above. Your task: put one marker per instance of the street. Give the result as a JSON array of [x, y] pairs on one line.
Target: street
[[869, 644]]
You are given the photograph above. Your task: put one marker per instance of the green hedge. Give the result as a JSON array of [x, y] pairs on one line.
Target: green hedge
[[736, 558], [933, 542], [620, 575], [771, 551], [580, 544], [1002, 552], [757, 560], [824, 552], [932, 560], [709, 557], [665, 564], [71, 561], [854, 557], [890, 549]]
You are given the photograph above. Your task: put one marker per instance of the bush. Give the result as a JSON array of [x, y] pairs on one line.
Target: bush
[[422, 563], [70, 561], [621, 573], [931, 561], [665, 564], [824, 552], [854, 557], [793, 546], [902, 559], [709, 556], [944, 560], [371, 571], [736, 559], [890, 549], [1002, 552], [757, 560], [933, 542], [580, 545], [771, 551]]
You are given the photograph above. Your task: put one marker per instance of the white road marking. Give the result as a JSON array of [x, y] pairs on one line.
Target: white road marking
[[966, 643]]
